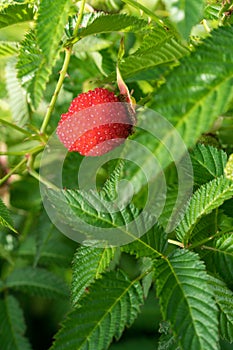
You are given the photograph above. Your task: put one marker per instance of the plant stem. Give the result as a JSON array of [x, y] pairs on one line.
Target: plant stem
[[179, 244], [63, 72], [25, 132], [57, 90], [79, 19], [34, 150], [12, 171], [137, 5], [42, 180]]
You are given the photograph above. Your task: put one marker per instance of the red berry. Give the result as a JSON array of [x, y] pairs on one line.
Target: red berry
[[96, 123]]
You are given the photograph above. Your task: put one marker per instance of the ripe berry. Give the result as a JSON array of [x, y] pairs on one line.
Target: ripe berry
[[96, 123]]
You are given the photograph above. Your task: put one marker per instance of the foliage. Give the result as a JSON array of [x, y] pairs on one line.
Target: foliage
[[134, 249]]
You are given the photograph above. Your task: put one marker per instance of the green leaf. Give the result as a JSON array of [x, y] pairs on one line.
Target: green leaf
[[5, 217], [89, 263], [187, 301], [208, 163], [13, 14], [114, 23], [17, 95], [90, 44], [224, 300], [185, 13], [5, 254], [153, 243], [158, 47], [171, 213], [212, 11], [200, 89], [37, 281], [94, 217], [8, 48], [206, 227], [52, 17], [112, 304], [167, 340], [13, 326], [220, 257], [207, 198], [48, 245], [33, 69], [145, 10]]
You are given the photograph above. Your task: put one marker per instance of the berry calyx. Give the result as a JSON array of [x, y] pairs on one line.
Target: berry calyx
[[96, 123]]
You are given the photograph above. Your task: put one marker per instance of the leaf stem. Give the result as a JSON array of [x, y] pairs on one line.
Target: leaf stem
[[25, 132], [179, 244], [34, 150], [12, 171], [79, 19], [41, 179], [63, 72]]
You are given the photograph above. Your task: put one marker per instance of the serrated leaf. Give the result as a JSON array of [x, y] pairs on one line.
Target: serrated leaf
[[48, 245], [17, 95], [224, 300], [193, 98], [33, 70], [153, 243], [187, 301], [113, 23], [90, 44], [185, 13], [194, 95], [158, 47], [220, 257], [5, 217], [212, 11], [206, 227], [208, 163], [89, 263], [8, 48], [207, 198], [112, 304], [13, 326], [93, 217], [37, 281], [13, 14], [172, 213], [52, 17]]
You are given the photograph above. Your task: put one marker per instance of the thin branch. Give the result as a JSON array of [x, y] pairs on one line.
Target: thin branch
[[25, 132], [42, 180], [12, 171]]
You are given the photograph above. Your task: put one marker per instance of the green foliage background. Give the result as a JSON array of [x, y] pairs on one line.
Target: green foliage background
[[163, 291]]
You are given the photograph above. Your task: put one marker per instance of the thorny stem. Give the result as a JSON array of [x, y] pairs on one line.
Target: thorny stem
[[63, 72]]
